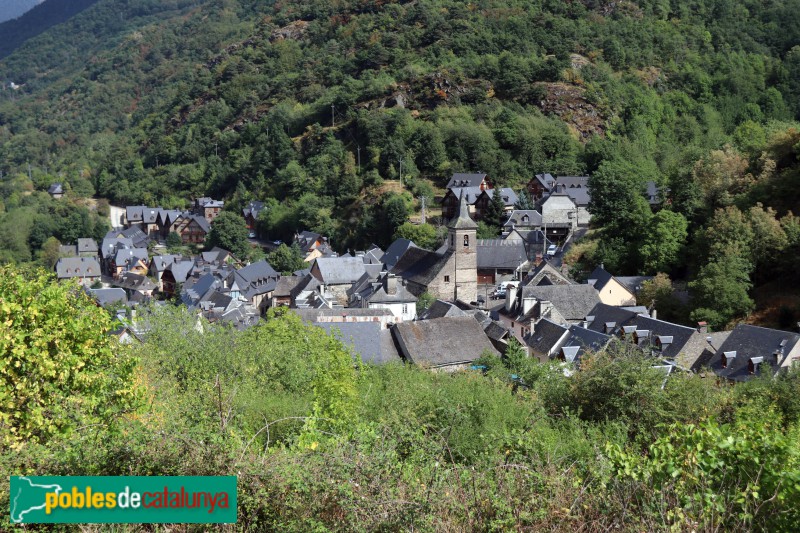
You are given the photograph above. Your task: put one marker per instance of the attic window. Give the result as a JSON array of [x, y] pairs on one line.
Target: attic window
[[727, 358], [753, 364], [610, 327], [640, 335], [663, 342], [447, 279], [526, 218]]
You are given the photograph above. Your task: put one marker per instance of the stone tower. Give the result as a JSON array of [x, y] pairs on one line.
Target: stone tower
[[463, 262]]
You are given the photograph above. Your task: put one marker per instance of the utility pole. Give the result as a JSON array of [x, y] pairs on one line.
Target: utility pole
[[359, 159], [333, 117], [422, 199]]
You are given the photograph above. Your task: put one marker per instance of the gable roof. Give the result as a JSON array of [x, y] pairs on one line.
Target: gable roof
[[137, 282], [471, 194], [546, 336], [546, 180], [442, 341], [419, 265], [746, 343], [56, 188], [633, 283], [109, 296], [525, 218], [180, 269], [609, 319], [600, 277], [87, 246], [253, 209], [678, 336], [466, 180], [439, 309], [77, 267], [573, 302], [159, 263], [580, 341], [508, 195], [367, 340], [545, 274], [395, 251], [338, 270], [500, 254], [285, 285]]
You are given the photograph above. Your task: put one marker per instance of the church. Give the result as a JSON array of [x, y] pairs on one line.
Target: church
[[451, 272]]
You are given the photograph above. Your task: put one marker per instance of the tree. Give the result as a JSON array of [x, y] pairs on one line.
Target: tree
[[617, 197], [720, 292], [496, 212], [173, 241], [50, 253], [59, 368], [663, 242], [423, 235], [524, 201], [286, 259], [229, 231]]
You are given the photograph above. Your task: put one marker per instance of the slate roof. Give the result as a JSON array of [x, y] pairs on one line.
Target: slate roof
[[367, 340], [546, 336], [133, 213], [180, 270], [56, 188], [680, 335], [395, 251], [442, 341], [339, 270], [517, 218], [653, 193], [546, 180], [253, 208], [470, 194], [307, 240], [599, 278], [573, 182], [580, 341], [500, 254], [508, 195], [193, 290], [159, 263], [204, 224], [602, 316], [128, 256], [136, 235], [378, 293], [256, 278], [750, 342], [137, 282], [285, 285], [466, 180], [439, 309], [573, 302], [109, 296], [545, 274], [112, 243], [77, 267], [87, 246], [633, 283], [419, 265], [209, 202], [68, 250]]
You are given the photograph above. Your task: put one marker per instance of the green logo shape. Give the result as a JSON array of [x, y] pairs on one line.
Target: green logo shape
[[123, 500]]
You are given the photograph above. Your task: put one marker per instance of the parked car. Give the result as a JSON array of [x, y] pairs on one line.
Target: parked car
[[252, 235], [551, 250]]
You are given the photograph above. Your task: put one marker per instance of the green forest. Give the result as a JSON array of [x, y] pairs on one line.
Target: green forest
[[320, 108], [321, 444]]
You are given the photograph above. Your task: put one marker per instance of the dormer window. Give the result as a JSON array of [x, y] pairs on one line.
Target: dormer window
[[728, 358], [663, 342], [610, 327], [526, 218], [753, 364], [640, 335], [627, 330]]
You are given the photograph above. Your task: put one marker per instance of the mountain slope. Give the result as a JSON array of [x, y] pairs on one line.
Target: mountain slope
[[11, 9]]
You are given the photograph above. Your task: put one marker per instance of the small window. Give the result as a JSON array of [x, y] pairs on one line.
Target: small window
[[466, 240], [447, 279], [405, 308], [452, 240]]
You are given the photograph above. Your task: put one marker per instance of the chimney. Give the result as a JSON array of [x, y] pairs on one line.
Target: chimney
[[702, 327], [653, 314], [511, 295], [544, 307], [391, 284], [527, 304]]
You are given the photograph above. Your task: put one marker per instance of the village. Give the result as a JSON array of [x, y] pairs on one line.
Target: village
[[442, 309]]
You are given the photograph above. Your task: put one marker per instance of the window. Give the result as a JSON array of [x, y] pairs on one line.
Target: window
[[405, 308], [466, 240], [452, 240], [447, 279]]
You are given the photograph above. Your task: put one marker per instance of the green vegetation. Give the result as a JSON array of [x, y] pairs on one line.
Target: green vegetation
[[318, 442]]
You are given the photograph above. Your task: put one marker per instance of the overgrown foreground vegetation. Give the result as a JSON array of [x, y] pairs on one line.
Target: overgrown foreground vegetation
[[318, 444]]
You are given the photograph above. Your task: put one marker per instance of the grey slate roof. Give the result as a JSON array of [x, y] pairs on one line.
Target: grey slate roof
[[463, 220], [111, 243], [307, 240], [109, 296], [602, 315], [439, 309], [253, 208], [128, 256], [181, 269], [508, 195], [524, 218], [159, 263], [580, 341], [573, 302], [285, 285], [87, 246], [136, 282], [367, 340], [395, 251], [633, 283], [680, 335], [442, 341], [339, 270], [77, 267], [470, 194], [466, 180], [56, 188], [547, 180], [500, 254], [545, 336], [545, 274], [136, 235], [750, 342], [419, 265]]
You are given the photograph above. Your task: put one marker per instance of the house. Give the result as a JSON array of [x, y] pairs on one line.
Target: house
[[386, 291], [751, 351], [174, 276], [56, 190], [449, 343], [610, 319], [559, 216], [207, 208], [546, 274], [441, 309], [452, 200], [365, 340], [681, 345], [479, 180], [282, 295], [192, 228], [524, 220], [109, 297], [158, 264], [85, 270], [165, 221], [577, 188], [313, 245], [395, 251], [143, 217], [654, 194], [337, 274], [450, 272], [498, 258], [138, 287], [546, 339], [611, 291], [579, 342], [540, 186], [254, 284], [130, 260], [194, 289], [633, 283], [483, 200], [251, 212], [88, 248]]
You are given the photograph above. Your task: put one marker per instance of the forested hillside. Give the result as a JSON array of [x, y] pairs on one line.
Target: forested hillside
[[34, 21], [313, 105]]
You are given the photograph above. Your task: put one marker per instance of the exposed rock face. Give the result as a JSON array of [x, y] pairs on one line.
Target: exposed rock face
[[569, 103], [294, 30]]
